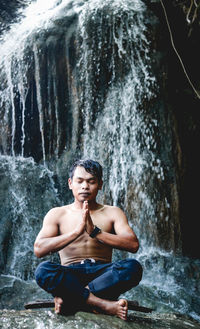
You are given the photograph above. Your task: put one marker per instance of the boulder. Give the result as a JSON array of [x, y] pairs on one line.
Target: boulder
[[81, 320]]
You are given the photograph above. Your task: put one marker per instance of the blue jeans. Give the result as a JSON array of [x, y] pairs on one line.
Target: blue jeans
[[105, 280]]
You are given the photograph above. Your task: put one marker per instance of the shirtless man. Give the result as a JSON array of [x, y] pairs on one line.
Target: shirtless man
[[84, 233]]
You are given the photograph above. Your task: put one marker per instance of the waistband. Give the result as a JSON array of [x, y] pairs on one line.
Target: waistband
[[88, 261]]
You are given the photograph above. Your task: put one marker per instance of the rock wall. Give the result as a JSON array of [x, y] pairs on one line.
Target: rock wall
[[181, 98]]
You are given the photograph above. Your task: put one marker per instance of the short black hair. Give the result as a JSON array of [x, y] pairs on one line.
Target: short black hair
[[91, 166]]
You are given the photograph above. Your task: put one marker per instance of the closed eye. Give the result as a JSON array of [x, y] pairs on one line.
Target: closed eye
[[92, 181]]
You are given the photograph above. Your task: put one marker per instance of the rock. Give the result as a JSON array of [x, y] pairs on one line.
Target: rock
[[14, 293], [48, 319]]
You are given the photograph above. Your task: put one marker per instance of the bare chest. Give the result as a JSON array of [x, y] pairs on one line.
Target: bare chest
[[69, 222]]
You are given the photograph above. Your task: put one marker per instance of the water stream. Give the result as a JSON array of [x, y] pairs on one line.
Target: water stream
[[77, 80]]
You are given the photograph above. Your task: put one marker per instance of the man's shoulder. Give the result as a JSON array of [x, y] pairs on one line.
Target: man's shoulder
[[115, 212], [109, 207], [112, 208], [58, 211]]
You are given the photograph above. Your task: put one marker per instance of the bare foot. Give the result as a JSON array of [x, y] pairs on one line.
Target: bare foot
[[119, 307], [58, 304]]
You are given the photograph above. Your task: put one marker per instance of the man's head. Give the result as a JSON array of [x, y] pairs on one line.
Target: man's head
[[91, 166], [85, 180]]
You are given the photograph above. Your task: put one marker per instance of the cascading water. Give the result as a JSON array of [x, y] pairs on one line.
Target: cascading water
[[28, 71], [121, 127], [23, 182], [77, 80], [114, 121]]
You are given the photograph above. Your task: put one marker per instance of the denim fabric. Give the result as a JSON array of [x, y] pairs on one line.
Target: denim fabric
[[107, 281]]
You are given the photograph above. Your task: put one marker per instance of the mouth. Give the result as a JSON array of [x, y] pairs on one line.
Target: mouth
[[85, 194]]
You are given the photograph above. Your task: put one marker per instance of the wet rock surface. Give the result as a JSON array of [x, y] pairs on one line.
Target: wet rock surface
[[14, 293], [48, 319]]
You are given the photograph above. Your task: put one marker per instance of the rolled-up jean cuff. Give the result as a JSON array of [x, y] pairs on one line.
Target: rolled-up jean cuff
[[86, 293], [91, 287]]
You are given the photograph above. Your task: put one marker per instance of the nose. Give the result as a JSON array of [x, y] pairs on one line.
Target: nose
[[85, 185]]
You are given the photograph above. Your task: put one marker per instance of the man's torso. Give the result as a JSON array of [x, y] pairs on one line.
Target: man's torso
[[85, 246]]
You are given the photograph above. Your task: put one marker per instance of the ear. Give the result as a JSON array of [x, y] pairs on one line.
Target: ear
[[100, 185], [70, 183]]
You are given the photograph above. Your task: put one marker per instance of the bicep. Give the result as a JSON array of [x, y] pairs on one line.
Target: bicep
[[121, 225], [49, 228]]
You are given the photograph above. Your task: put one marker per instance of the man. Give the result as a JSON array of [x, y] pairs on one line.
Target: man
[[84, 233]]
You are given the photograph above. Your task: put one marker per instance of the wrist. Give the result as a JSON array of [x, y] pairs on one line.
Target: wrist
[[89, 229], [96, 230], [78, 231]]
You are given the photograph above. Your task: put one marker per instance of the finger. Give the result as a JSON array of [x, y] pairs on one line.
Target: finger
[[86, 204], [85, 215]]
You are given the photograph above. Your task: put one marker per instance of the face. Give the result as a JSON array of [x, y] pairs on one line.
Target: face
[[84, 185]]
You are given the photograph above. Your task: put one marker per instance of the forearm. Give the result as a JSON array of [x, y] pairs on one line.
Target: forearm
[[44, 246], [126, 242]]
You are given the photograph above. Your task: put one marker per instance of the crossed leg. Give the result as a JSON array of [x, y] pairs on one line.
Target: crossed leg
[[118, 308], [115, 279]]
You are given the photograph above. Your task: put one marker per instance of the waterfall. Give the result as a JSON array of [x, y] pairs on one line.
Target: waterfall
[[121, 128], [78, 80], [29, 95], [29, 190]]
